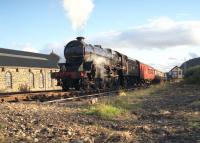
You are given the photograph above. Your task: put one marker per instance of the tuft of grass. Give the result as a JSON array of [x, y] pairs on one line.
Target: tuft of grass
[[104, 110], [194, 122], [195, 103], [2, 125]]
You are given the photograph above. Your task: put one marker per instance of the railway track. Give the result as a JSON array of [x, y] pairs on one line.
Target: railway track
[[57, 96], [109, 93], [89, 96]]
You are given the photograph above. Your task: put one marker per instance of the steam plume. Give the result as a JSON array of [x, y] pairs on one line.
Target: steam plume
[[78, 11]]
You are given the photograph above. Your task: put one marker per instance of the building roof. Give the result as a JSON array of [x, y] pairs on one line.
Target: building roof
[[9, 57], [176, 67]]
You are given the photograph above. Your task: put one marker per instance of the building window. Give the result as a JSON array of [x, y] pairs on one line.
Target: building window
[[41, 80], [174, 74], [8, 78], [31, 80], [179, 72], [50, 80]]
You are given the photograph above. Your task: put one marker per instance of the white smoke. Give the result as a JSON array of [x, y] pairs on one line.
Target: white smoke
[[78, 11]]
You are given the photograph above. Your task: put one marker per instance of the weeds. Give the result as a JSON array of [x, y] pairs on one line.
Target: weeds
[[104, 110], [2, 125], [194, 121], [124, 102]]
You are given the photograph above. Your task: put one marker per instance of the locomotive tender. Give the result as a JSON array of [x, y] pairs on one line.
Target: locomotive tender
[[91, 66]]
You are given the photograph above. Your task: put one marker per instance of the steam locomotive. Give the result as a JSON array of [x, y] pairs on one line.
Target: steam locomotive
[[91, 66]]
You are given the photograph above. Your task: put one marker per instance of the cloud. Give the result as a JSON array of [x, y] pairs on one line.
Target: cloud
[[172, 58], [24, 47], [193, 55], [162, 43], [30, 49], [57, 48], [157, 33], [78, 12]]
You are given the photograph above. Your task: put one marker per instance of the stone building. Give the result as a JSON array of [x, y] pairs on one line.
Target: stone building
[[25, 71]]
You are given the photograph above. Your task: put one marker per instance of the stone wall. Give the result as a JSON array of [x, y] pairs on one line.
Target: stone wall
[[21, 79]]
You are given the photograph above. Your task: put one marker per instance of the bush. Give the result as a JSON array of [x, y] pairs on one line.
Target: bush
[[192, 75]]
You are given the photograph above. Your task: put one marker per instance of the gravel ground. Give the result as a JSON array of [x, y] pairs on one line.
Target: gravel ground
[[168, 115]]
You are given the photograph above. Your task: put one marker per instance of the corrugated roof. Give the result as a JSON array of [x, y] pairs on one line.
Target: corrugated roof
[[9, 57]]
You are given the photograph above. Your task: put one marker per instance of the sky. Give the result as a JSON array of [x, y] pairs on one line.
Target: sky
[[161, 33]]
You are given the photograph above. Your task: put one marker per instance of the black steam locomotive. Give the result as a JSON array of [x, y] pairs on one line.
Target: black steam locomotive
[[90, 66]]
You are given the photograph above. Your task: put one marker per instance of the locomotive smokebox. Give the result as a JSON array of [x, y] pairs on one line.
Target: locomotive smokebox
[[81, 39]]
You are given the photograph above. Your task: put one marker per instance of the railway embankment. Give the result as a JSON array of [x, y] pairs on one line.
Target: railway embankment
[[162, 113]]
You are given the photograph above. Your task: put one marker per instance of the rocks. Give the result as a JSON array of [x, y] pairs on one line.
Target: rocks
[[93, 100], [23, 127], [34, 121], [146, 128], [69, 133], [159, 117], [43, 131], [36, 140], [166, 113], [88, 140], [76, 141]]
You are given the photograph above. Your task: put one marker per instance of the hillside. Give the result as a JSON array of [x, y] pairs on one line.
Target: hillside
[[190, 63]]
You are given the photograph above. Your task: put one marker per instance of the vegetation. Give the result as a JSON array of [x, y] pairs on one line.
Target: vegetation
[[193, 120], [123, 103], [104, 110], [192, 75], [2, 125]]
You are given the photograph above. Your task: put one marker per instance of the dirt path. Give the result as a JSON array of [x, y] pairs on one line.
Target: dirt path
[[171, 114]]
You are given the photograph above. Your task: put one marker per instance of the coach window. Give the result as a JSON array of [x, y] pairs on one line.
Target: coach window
[[41, 80], [8, 78], [31, 80], [150, 71]]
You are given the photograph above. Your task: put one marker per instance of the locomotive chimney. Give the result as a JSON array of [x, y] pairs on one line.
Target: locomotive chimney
[[81, 39]]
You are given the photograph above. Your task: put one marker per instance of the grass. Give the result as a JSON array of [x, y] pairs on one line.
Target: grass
[[104, 110], [2, 125], [194, 117], [194, 124], [195, 103], [123, 103], [194, 121]]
